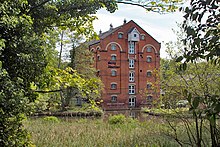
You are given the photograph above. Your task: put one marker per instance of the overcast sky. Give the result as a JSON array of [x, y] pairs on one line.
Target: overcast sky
[[157, 25]]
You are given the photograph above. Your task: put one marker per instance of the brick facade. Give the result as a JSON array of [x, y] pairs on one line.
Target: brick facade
[[127, 60]]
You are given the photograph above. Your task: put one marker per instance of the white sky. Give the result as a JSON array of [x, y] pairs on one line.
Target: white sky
[[157, 25]]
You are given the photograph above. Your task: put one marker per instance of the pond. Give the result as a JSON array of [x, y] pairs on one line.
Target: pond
[[136, 114]]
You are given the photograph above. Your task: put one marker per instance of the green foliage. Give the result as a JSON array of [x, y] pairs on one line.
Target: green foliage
[[198, 83], [160, 6], [93, 132], [117, 119], [172, 112], [27, 43], [12, 110], [202, 29], [51, 119]]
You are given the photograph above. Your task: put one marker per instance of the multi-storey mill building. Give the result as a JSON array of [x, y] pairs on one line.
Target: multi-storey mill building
[[127, 60]]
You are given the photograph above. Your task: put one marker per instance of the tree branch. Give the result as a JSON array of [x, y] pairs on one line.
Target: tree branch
[[50, 91], [34, 7]]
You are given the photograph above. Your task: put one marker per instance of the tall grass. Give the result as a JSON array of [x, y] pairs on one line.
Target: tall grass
[[97, 133]]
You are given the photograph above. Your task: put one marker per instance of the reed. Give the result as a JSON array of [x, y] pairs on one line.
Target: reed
[[97, 133]]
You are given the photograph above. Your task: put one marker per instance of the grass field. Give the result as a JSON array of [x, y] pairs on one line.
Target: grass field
[[98, 133]]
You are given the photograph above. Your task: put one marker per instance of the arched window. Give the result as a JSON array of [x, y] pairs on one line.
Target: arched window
[[149, 59], [98, 57], [149, 73], [142, 36], [114, 98], [149, 86], [120, 35], [149, 49], [113, 57], [113, 72], [149, 98], [113, 86], [113, 46]]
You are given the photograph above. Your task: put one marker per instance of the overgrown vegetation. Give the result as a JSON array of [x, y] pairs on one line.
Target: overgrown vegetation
[[88, 132], [96, 132]]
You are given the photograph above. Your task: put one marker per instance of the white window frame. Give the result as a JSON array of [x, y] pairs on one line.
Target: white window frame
[[131, 63], [113, 46], [131, 47], [149, 71], [115, 98], [132, 101], [149, 49], [149, 59], [131, 89], [113, 88], [113, 72], [98, 57], [120, 35], [115, 57], [142, 36], [131, 76], [149, 85]]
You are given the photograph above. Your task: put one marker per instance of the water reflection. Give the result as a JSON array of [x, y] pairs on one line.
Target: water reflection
[[136, 114]]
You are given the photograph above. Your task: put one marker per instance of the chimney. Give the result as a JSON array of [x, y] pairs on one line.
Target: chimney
[[100, 31], [111, 27], [125, 21]]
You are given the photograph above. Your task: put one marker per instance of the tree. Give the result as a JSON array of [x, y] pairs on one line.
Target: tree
[[199, 84], [25, 25], [202, 29], [159, 6], [24, 48]]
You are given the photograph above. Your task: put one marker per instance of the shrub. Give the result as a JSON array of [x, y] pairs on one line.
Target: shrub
[[117, 119], [51, 119]]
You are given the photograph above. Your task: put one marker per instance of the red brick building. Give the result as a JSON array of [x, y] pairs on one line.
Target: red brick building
[[126, 58]]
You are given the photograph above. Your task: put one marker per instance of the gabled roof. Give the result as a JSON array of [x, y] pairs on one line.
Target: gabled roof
[[110, 31], [104, 35], [130, 30]]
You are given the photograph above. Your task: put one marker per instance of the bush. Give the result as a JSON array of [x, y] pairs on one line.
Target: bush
[[117, 119], [51, 119]]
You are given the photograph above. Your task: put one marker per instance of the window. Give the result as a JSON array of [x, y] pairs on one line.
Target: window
[[149, 98], [98, 73], [131, 89], [113, 72], [98, 57], [135, 35], [149, 73], [131, 63], [131, 76], [113, 98], [149, 49], [149, 85], [113, 46], [131, 47], [78, 101], [113, 57], [149, 59], [120, 35], [143, 37], [113, 86]]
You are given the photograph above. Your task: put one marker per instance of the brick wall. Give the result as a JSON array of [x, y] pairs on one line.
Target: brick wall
[[105, 65]]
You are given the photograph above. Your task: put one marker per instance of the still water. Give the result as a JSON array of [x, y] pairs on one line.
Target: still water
[[136, 114]]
